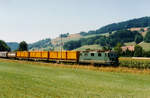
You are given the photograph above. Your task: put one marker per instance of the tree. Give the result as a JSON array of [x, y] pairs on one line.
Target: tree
[[147, 37], [90, 42], [110, 33], [129, 53], [23, 46], [72, 45], [142, 30], [138, 38], [122, 36], [3, 46], [118, 49], [146, 53], [138, 51]]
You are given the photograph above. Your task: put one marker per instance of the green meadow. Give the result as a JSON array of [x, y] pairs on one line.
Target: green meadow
[[22, 79]]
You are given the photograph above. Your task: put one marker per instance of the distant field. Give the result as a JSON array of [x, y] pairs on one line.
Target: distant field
[[22, 79], [146, 46], [130, 43], [93, 35]]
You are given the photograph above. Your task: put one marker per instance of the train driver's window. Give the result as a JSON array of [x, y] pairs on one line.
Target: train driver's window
[[99, 54], [92, 54], [85, 54], [109, 54]]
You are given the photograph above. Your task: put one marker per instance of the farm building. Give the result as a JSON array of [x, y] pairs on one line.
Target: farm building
[[130, 48]]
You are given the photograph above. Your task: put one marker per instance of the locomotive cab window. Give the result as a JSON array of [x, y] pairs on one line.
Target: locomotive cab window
[[105, 54], [99, 54], [92, 54], [85, 54], [108, 54]]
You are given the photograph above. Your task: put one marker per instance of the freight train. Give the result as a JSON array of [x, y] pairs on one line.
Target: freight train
[[90, 57]]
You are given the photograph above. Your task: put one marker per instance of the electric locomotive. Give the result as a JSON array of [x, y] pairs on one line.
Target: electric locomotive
[[88, 56]]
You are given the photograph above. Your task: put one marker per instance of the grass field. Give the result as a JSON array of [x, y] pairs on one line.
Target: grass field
[[130, 43], [145, 46], [22, 79]]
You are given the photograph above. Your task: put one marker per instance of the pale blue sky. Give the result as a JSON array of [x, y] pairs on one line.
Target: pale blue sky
[[32, 20]]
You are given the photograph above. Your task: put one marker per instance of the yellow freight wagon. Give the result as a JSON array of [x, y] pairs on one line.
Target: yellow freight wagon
[[53, 55], [22, 54], [39, 54], [45, 54], [58, 55], [35, 54], [72, 55], [62, 55]]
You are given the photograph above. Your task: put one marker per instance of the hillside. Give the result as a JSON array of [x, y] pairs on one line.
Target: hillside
[[146, 46], [13, 45], [57, 41], [133, 23], [44, 44], [140, 25]]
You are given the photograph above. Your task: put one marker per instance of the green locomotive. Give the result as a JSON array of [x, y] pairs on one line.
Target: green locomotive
[[99, 57]]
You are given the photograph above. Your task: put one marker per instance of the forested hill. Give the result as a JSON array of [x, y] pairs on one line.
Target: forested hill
[[44, 44], [138, 22]]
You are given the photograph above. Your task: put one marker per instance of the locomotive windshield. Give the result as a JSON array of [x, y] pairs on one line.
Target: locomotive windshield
[[112, 55]]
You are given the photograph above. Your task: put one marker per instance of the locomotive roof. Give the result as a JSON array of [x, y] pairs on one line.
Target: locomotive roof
[[98, 51]]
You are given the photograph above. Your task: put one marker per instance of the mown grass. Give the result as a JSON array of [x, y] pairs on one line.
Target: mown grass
[[130, 44], [23, 79], [145, 46]]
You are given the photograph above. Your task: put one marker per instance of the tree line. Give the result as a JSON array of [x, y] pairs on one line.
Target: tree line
[[138, 51]]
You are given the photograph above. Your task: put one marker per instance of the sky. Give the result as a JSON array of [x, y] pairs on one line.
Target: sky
[[33, 20]]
